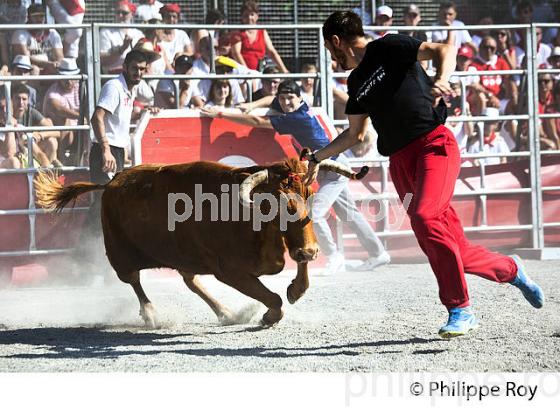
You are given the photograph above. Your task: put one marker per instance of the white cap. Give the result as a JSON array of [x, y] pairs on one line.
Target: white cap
[[555, 52], [22, 61], [491, 112], [384, 11], [68, 66]]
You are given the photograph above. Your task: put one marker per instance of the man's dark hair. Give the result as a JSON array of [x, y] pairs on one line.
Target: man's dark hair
[[250, 6], [523, 5], [19, 88], [345, 24], [289, 87], [36, 8], [270, 69], [135, 56], [213, 16], [447, 5]]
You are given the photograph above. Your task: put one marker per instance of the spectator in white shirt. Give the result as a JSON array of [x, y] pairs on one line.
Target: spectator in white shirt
[[543, 50], [173, 41], [448, 17], [11, 12], [69, 12], [115, 43], [166, 92], [202, 66], [148, 10], [220, 94], [43, 46], [383, 17], [492, 142]]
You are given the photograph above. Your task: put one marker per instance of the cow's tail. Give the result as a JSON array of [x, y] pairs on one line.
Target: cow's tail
[[53, 196]]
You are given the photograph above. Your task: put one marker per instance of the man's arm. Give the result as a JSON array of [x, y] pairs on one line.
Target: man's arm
[[354, 135], [98, 125], [244, 119], [42, 135], [61, 110], [446, 57], [260, 103]]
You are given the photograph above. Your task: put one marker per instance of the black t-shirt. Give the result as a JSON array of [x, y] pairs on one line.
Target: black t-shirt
[[392, 87]]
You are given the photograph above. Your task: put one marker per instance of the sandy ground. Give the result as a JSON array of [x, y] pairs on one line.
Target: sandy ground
[[385, 320]]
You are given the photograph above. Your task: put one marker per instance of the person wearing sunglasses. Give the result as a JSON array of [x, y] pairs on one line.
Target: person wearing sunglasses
[[493, 90], [506, 48], [115, 43]]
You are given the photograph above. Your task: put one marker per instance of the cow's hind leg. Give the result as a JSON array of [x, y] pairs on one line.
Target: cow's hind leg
[[252, 287], [147, 311], [224, 315]]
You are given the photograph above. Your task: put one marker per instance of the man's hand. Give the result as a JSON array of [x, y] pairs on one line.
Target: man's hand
[[109, 162], [152, 110], [37, 137], [211, 112], [127, 42], [245, 107], [442, 88], [312, 171]]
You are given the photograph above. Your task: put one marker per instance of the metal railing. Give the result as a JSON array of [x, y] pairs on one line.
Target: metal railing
[[92, 80]]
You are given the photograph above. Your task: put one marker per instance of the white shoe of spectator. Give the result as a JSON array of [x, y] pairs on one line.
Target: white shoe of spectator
[[335, 264], [374, 262]]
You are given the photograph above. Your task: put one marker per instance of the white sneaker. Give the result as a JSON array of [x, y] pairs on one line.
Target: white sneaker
[[334, 264], [374, 262]]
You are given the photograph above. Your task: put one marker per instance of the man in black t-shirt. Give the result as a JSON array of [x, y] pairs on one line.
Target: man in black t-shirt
[[389, 85]]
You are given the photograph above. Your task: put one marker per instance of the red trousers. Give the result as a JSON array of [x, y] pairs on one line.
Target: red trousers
[[428, 168]]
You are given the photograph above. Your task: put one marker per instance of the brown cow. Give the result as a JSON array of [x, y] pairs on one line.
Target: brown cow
[[134, 213]]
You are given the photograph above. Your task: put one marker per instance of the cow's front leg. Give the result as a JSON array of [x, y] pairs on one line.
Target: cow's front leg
[[300, 283], [251, 286]]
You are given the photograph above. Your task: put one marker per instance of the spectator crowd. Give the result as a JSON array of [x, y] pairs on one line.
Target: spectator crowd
[[200, 52]]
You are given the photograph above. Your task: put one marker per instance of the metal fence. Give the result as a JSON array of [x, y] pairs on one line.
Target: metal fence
[[92, 80]]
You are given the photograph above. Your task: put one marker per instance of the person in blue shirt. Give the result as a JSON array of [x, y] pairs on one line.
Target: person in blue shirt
[[296, 119]]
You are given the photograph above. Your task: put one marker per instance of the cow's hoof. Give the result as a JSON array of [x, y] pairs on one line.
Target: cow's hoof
[[226, 319], [148, 314], [271, 317], [294, 294]]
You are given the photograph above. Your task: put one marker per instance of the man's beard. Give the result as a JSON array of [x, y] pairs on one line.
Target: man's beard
[[341, 59], [131, 81]]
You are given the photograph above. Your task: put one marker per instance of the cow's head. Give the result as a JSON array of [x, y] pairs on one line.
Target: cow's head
[[284, 180]]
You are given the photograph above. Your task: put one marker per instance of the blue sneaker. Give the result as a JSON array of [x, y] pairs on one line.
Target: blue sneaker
[[532, 292], [460, 322]]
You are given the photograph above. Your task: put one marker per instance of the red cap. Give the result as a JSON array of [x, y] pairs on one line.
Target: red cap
[[466, 51], [170, 8], [131, 6]]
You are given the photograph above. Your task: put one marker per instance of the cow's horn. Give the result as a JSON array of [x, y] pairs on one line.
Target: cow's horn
[[249, 184], [333, 166]]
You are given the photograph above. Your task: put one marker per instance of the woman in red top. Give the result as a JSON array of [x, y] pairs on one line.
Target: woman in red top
[[506, 48], [551, 126], [250, 46]]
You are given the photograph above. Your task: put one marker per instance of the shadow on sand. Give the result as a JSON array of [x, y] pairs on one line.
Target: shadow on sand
[[110, 343]]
